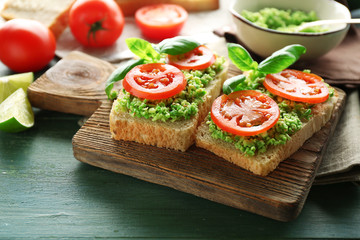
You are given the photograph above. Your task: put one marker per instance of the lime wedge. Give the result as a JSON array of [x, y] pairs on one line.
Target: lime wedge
[[16, 114], [9, 84]]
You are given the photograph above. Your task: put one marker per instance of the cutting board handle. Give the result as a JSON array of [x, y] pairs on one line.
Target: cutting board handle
[[73, 85]]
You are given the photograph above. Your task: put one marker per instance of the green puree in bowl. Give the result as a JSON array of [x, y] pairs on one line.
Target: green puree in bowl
[[282, 20]]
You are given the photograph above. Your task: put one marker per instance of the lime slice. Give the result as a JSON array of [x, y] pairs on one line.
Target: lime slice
[[9, 84], [16, 114]]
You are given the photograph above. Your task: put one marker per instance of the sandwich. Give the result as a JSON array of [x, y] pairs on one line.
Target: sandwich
[[165, 93], [267, 113]]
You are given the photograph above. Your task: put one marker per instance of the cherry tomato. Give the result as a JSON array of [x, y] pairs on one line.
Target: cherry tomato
[[161, 21], [96, 23], [154, 81], [26, 45], [245, 113], [198, 58], [297, 86]]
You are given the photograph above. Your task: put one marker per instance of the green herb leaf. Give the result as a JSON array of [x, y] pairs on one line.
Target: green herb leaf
[[177, 45], [233, 84], [281, 59], [240, 57], [156, 47], [142, 49], [119, 74], [277, 62]]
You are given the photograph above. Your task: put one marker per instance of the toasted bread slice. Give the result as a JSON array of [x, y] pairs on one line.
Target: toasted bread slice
[[52, 13], [178, 135], [264, 163]]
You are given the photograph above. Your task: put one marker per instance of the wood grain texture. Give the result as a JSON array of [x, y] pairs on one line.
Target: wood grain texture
[[74, 85], [280, 195]]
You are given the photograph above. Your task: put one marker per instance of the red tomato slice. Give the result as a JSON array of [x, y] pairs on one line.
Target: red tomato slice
[[161, 21], [197, 59], [245, 113], [297, 86], [154, 81]]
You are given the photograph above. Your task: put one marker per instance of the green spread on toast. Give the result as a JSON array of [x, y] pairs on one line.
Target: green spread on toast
[[292, 114], [180, 107]]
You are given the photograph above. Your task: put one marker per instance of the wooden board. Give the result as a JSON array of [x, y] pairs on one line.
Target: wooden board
[[74, 85], [280, 195]]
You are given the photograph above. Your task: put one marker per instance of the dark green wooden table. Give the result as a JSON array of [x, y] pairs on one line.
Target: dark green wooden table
[[46, 193]]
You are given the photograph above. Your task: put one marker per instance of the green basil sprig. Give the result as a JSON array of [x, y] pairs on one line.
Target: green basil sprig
[[233, 84], [277, 62], [148, 53], [177, 45], [143, 49]]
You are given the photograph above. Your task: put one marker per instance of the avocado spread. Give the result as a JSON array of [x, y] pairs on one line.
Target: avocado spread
[[180, 107], [282, 20], [292, 115]]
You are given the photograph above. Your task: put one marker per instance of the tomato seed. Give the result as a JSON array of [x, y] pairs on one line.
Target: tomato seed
[[165, 80]]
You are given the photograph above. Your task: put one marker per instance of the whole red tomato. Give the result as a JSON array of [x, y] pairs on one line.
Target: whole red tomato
[[26, 45], [96, 23]]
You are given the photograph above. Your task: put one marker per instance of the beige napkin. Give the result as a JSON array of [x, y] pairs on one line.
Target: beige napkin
[[341, 162], [341, 66]]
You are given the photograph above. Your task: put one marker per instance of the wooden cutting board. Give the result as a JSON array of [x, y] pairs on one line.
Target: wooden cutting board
[[76, 85]]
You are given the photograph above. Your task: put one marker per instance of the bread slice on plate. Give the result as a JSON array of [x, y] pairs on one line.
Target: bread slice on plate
[[264, 163], [178, 135]]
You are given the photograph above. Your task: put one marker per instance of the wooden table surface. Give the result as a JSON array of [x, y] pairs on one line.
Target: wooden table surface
[[46, 193]]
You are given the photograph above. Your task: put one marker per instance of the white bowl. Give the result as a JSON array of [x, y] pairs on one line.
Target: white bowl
[[264, 41]]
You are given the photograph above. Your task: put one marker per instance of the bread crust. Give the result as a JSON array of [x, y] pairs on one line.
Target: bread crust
[[263, 164], [179, 135]]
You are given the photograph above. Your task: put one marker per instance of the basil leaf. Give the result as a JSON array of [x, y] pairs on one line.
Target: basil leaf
[[241, 57], [119, 74], [281, 59], [177, 45], [155, 47], [142, 49], [233, 84]]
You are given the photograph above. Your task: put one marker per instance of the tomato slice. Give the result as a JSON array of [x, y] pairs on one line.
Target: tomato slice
[[245, 113], [197, 59], [161, 21], [154, 81], [297, 86]]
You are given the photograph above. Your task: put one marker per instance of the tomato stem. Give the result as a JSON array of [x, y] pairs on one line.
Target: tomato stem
[[94, 27]]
